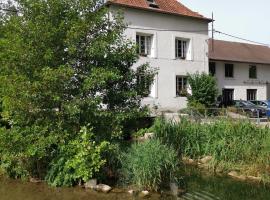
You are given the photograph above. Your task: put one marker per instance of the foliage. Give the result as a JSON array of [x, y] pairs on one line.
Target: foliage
[[27, 152], [148, 165], [63, 65], [142, 132], [204, 89], [78, 161], [235, 143]]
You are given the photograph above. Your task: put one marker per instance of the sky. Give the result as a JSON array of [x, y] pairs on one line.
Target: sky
[[247, 19]]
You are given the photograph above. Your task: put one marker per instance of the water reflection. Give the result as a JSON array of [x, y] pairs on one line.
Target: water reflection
[[199, 187]]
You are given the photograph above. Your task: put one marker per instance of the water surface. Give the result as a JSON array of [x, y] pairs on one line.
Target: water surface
[[199, 187]]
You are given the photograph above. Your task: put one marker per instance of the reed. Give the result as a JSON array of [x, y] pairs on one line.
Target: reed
[[231, 143], [149, 165]]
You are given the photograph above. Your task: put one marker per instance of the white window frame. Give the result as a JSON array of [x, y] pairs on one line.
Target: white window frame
[[183, 85], [182, 48], [148, 42]]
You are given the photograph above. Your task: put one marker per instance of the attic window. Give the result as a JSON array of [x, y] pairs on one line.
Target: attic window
[[152, 4]]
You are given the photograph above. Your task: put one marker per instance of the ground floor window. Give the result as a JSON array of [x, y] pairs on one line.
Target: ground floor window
[[251, 94], [181, 86], [144, 85]]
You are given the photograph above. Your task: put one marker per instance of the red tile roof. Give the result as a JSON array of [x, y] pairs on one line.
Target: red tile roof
[[164, 6], [239, 52]]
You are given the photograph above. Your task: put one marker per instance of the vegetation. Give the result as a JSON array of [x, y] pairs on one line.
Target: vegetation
[[238, 145], [78, 161], [204, 90], [149, 165], [65, 66]]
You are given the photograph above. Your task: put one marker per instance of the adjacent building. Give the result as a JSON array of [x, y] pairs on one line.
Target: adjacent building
[[171, 38], [242, 70]]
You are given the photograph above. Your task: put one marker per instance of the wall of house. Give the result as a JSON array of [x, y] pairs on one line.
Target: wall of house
[[165, 29], [241, 81]]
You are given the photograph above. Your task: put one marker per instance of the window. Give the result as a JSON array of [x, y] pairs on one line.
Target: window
[[181, 48], [144, 44], [252, 72], [181, 86], [144, 85], [229, 70], [251, 94], [212, 68]]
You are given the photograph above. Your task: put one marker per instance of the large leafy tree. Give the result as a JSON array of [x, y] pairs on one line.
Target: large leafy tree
[[65, 64]]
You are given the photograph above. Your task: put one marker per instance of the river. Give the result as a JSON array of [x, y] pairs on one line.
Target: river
[[199, 187]]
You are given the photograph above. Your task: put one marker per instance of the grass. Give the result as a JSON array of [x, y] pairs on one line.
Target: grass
[[237, 145], [149, 165]]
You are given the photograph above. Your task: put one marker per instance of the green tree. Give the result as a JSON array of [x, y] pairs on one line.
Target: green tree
[[65, 64], [204, 89]]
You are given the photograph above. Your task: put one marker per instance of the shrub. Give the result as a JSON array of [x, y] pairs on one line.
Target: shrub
[[78, 161], [204, 89], [149, 165]]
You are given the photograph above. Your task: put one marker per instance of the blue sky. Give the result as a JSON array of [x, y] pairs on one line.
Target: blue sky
[[244, 18]]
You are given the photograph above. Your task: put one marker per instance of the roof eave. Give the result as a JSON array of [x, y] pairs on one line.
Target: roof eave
[[159, 11], [239, 61]]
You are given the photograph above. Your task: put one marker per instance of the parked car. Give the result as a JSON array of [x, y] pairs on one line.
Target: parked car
[[249, 108], [263, 103]]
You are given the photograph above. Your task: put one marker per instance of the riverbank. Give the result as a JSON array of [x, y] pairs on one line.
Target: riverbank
[[198, 184], [239, 148]]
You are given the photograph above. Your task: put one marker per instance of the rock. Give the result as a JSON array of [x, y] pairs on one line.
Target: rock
[[144, 194], [35, 180], [103, 188], [174, 189], [206, 159], [254, 178], [234, 174], [132, 192], [91, 184], [148, 136], [189, 161], [202, 166]]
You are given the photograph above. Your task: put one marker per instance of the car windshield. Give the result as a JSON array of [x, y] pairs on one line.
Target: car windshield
[[247, 103]]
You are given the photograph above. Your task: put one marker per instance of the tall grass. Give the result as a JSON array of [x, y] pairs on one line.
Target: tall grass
[[229, 142], [149, 165]]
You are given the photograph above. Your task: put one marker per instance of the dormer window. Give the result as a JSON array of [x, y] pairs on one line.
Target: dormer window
[[152, 3]]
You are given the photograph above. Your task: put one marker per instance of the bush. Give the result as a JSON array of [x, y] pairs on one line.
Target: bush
[[204, 89], [149, 165], [78, 161]]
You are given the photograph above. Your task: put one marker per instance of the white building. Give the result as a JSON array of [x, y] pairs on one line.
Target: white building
[[170, 37], [242, 70]]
